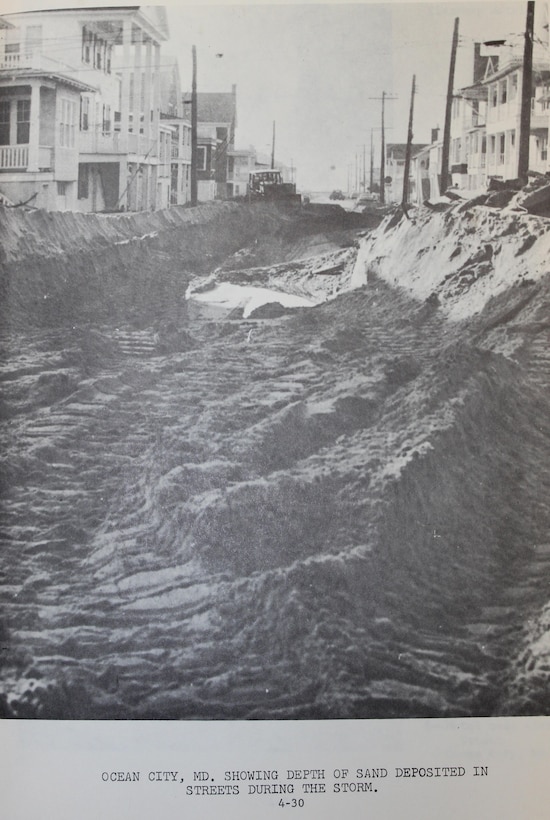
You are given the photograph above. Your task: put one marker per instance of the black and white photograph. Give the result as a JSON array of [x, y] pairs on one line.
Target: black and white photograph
[[275, 362]]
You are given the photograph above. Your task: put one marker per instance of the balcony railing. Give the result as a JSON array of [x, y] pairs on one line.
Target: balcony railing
[[14, 157], [31, 59]]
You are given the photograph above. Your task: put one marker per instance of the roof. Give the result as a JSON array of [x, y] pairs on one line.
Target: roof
[[541, 70], [16, 74], [399, 149], [215, 106], [152, 18]]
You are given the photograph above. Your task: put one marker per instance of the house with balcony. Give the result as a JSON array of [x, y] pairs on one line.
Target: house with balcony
[[485, 129], [80, 108], [216, 124]]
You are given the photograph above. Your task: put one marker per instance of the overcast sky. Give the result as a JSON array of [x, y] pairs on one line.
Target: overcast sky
[[314, 68]]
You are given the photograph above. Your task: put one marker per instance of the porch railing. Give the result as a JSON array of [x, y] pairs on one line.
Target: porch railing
[[14, 156]]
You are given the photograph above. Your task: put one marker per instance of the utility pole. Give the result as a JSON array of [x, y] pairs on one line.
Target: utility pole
[[445, 178], [384, 97], [194, 130], [364, 170], [382, 155], [273, 147], [405, 201], [526, 90], [371, 180]]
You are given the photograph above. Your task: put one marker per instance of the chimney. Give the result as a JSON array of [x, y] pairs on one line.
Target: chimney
[[479, 64]]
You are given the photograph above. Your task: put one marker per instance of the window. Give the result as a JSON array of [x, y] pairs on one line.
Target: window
[[201, 158], [87, 43], [12, 48], [62, 188], [131, 93], [67, 123], [503, 88], [84, 113], [83, 181], [542, 144], [23, 121], [513, 86], [502, 148], [106, 128], [5, 106], [494, 95], [456, 151]]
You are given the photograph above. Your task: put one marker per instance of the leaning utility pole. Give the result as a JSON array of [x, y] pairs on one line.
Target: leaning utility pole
[[273, 147], [194, 130], [445, 178], [526, 91], [405, 200]]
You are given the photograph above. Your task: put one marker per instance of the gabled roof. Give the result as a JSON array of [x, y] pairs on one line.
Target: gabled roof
[[399, 149], [215, 106]]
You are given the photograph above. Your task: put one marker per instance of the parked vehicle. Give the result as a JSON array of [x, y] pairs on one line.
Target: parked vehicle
[[337, 195], [365, 199]]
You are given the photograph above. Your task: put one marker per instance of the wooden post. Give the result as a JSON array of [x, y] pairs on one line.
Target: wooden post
[[371, 180], [273, 147], [194, 152], [526, 91], [405, 200], [445, 176]]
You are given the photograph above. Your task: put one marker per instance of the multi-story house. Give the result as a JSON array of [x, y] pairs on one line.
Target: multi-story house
[[80, 108], [172, 115], [503, 120], [216, 123], [395, 170], [485, 128], [240, 164]]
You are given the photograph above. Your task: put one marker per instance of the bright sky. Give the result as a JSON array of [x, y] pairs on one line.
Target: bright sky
[[314, 67]]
